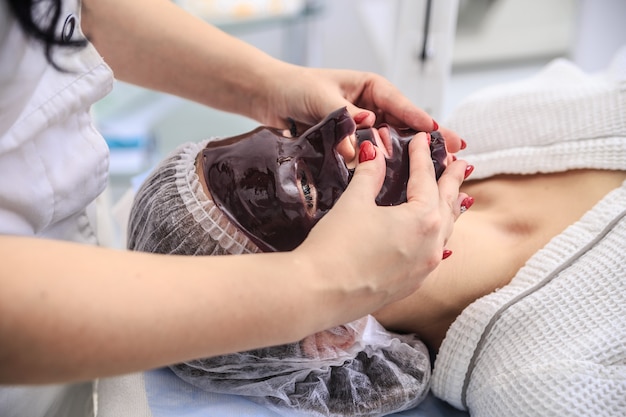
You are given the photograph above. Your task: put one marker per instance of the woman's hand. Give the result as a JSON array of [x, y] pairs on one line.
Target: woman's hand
[[306, 95], [375, 255]]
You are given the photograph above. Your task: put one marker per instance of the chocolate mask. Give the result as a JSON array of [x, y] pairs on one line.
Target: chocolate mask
[[393, 191], [276, 188]]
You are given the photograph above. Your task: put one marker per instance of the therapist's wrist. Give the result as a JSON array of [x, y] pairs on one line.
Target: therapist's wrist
[[335, 294]]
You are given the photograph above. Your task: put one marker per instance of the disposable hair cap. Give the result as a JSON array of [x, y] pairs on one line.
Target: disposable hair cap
[[172, 214]]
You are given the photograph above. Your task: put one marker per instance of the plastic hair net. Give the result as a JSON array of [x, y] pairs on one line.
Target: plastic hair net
[[358, 369]]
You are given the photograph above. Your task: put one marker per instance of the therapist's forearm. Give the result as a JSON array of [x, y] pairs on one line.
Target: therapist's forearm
[[72, 312], [156, 44]]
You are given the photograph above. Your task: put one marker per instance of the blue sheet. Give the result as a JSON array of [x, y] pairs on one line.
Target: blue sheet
[[170, 396]]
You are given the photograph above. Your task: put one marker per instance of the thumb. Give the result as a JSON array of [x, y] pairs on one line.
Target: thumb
[[363, 119], [369, 174]]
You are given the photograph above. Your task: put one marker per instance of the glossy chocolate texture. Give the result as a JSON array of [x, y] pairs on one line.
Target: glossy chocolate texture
[[276, 188], [393, 191]]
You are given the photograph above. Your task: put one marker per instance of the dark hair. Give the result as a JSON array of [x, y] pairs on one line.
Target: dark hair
[[43, 27]]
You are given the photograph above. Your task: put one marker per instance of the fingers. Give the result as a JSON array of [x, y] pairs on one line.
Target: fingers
[[408, 115], [369, 174], [449, 184], [441, 196], [422, 184], [347, 149], [396, 109], [371, 99], [464, 202], [424, 189], [454, 143], [362, 117]]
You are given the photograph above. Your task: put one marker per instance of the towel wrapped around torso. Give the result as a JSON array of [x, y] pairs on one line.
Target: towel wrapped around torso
[[553, 341]]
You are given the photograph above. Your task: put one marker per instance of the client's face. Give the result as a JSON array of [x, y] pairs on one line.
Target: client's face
[[276, 188]]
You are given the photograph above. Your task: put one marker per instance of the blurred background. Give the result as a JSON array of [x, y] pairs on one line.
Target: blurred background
[[436, 51]]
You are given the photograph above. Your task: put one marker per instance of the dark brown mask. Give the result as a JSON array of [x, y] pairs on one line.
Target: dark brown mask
[[276, 188]]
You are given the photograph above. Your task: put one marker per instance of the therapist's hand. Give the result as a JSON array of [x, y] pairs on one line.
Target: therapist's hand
[[307, 95], [387, 251]]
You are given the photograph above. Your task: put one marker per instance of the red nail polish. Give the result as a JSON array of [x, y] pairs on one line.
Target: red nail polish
[[446, 254], [463, 144], [367, 152], [453, 157], [360, 117], [468, 170], [435, 125], [466, 204]]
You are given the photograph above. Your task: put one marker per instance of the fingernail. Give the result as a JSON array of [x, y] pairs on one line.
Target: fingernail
[[466, 204], [468, 170], [446, 254], [435, 125], [367, 152], [360, 117], [463, 144], [454, 157]]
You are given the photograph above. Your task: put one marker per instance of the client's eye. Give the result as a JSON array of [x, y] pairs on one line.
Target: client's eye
[[308, 192]]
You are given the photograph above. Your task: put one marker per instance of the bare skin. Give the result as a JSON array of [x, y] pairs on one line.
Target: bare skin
[[513, 217]]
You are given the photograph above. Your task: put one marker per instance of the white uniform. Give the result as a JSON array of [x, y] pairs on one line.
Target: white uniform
[[53, 164]]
